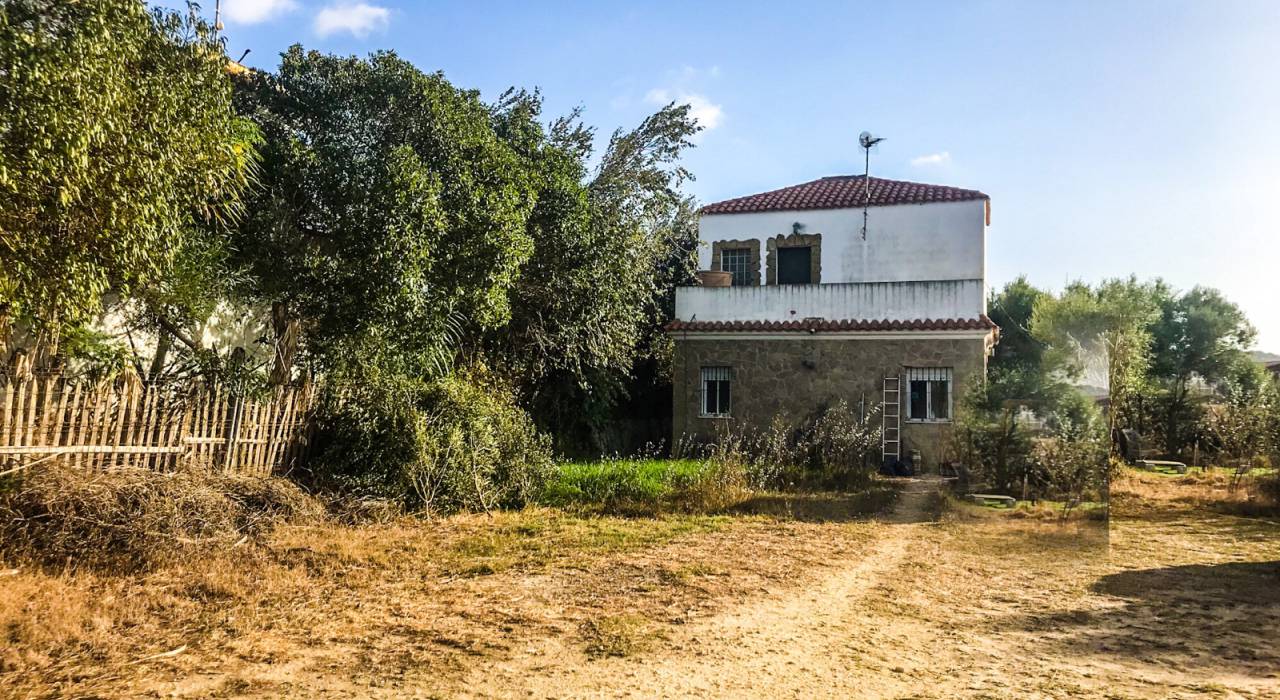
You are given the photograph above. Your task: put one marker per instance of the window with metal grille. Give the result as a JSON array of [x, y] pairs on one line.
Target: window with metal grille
[[716, 391], [736, 261], [929, 394]]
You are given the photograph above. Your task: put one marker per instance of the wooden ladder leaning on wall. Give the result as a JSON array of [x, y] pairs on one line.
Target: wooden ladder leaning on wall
[[891, 421]]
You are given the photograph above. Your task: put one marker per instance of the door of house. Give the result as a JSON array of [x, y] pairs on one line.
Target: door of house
[[795, 265]]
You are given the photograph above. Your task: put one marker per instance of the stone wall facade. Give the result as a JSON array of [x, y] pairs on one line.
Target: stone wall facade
[[791, 377]]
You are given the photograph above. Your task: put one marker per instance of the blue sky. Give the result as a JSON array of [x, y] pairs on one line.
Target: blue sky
[[1112, 137]]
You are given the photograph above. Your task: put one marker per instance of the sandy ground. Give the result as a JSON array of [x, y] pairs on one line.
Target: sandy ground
[[798, 644], [1179, 601], [959, 610], [1174, 605]]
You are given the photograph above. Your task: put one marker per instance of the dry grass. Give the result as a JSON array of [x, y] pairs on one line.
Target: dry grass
[[314, 600], [618, 635], [999, 606], [960, 510], [977, 605], [133, 519], [1199, 489]]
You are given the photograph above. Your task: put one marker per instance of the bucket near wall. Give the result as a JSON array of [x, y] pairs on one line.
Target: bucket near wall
[[714, 278]]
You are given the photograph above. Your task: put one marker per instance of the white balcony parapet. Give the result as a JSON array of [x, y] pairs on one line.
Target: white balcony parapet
[[879, 301]]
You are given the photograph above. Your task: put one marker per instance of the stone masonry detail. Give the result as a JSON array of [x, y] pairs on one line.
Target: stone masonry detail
[[792, 377], [795, 240], [753, 266]]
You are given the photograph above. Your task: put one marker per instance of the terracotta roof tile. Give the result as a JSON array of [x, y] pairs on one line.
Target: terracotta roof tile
[[841, 192], [820, 325]]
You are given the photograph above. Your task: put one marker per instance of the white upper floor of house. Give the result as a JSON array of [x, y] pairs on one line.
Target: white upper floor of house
[[800, 253]]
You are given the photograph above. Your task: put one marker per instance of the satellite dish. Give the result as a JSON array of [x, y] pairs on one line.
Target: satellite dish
[[867, 140]]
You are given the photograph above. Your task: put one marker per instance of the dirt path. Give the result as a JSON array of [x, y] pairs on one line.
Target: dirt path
[[799, 644], [976, 609]]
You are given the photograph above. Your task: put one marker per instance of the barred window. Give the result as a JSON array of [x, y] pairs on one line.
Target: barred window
[[736, 261], [929, 396], [716, 391]]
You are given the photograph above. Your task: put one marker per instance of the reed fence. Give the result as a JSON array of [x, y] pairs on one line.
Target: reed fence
[[160, 426]]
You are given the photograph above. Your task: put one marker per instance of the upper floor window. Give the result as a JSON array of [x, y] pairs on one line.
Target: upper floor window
[[795, 265], [741, 259], [929, 394], [794, 259], [737, 262], [716, 392]]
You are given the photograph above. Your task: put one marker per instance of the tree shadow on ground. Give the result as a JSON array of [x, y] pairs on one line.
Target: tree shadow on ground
[[1235, 583], [818, 507], [1224, 617]]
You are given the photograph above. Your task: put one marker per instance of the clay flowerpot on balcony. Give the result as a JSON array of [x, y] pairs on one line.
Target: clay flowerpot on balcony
[[714, 278]]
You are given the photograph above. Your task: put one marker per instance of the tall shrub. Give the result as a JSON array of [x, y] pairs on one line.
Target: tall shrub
[[992, 446], [456, 443], [1074, 461], [833, 447]]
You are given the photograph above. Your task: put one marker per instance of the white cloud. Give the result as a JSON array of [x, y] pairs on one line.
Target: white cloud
[[932, 159], [360, 19], [708, 114], [255, 11]]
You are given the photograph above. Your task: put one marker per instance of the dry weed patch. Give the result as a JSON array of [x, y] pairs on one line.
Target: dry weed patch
[[618, 635], [134, 519], [1152, 494], [380, 595]]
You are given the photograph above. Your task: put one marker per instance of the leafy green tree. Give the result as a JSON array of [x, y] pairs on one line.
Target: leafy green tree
[[1272, 432], [117, 140], [589, 302], [1022, 368], [1198, 335], [1113, 320], [391, 214], [1011, 308], [988, 437], [988, 440]]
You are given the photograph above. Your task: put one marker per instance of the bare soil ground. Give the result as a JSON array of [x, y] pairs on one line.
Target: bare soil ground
[[810, 600]]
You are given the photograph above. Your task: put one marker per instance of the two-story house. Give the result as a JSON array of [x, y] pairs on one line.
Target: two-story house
[[820, 309]]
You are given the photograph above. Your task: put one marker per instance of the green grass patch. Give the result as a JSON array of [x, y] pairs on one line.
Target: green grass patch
[[632, 486]]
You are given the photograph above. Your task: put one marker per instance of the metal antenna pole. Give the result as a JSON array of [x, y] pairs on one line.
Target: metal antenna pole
[[866, 140], [866, 186]]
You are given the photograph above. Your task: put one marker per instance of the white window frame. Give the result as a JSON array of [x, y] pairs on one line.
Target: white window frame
[[929, 375], [714, 374]]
